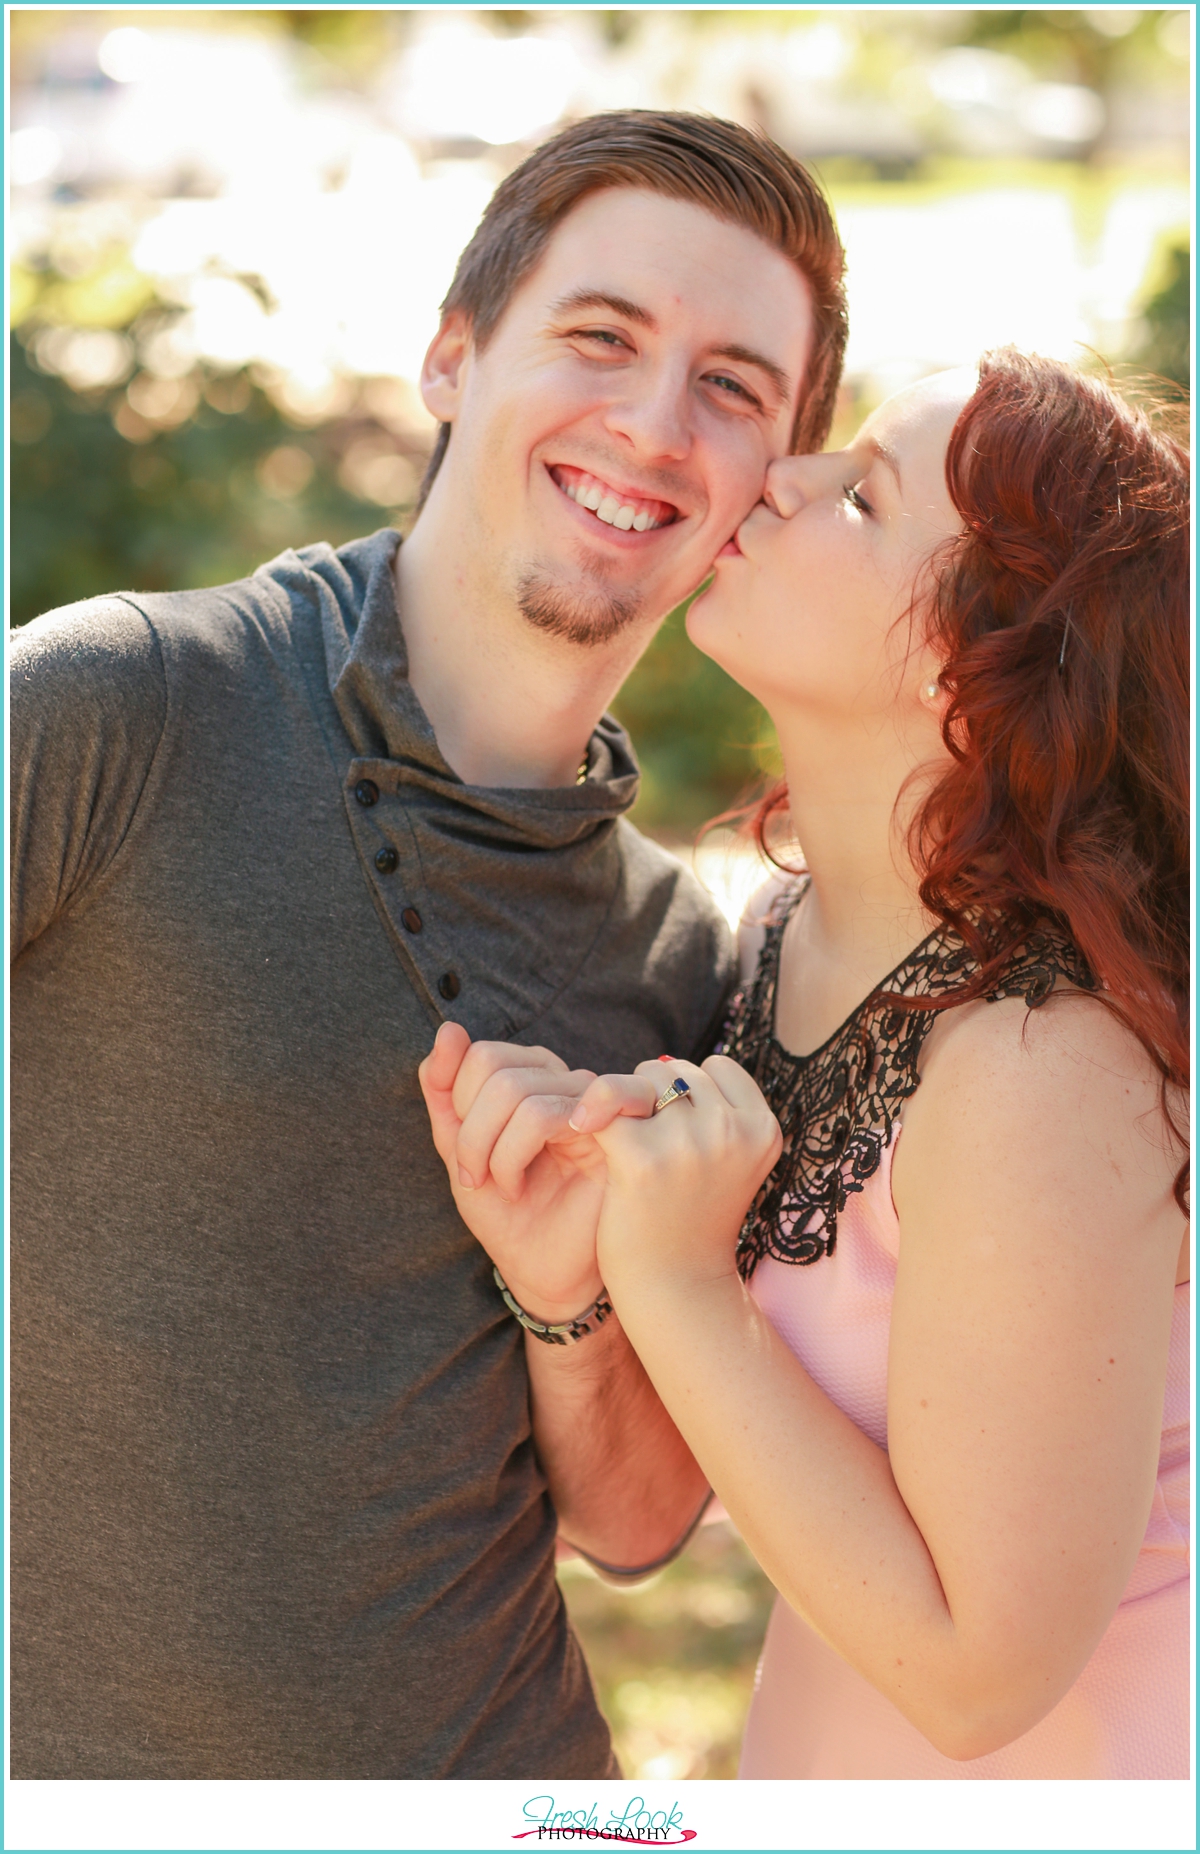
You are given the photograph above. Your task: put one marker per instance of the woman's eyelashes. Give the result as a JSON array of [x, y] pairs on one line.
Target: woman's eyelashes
[[857, 500]]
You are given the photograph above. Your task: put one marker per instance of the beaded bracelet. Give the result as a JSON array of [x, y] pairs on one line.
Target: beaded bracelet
[[570, 1332]]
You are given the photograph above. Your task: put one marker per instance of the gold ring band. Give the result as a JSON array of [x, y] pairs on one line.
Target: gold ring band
[[678, 1091]]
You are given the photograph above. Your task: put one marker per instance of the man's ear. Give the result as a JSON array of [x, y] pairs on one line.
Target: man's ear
[[444, 369]]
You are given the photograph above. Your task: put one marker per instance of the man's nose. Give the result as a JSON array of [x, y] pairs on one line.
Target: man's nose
[[653, 414]]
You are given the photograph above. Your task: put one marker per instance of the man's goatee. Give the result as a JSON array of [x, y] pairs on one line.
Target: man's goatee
[[577, 617]]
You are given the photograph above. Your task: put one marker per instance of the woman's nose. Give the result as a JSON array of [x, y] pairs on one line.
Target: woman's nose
[[793, 482]]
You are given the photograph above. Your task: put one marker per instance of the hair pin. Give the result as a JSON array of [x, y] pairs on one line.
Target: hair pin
[[1062, 649]]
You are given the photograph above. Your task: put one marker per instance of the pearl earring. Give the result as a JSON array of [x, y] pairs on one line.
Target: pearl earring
[[931, 691]]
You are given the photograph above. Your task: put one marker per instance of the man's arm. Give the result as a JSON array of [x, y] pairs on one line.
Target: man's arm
[[624, 1483]]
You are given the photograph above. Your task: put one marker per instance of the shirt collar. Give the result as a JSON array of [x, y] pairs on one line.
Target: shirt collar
[[368, 678]]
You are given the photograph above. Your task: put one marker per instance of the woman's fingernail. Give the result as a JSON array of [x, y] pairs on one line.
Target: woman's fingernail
[[465, 1179], [578, 1120], [666, 1058]]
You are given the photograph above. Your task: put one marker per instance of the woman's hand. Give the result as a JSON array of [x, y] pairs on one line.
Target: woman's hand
[[527, 1186], [534, 1151], [679, 1181]]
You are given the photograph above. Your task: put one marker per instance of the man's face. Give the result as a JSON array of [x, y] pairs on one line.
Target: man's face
[[618, 425]]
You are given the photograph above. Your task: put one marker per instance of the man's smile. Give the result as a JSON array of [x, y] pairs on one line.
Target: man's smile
[[616, 507]]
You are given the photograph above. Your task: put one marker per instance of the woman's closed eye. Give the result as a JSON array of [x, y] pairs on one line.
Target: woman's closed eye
[[857, 500]]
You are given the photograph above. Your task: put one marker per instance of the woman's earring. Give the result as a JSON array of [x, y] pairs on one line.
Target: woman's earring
[[930, 691]]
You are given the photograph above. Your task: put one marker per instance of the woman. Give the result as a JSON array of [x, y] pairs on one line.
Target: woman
[[935, 1365]]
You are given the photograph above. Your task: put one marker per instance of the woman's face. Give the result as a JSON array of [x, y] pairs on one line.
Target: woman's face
[[805, 604]]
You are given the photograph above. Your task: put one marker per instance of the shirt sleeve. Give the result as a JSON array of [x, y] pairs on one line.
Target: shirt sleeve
[[88, 705]]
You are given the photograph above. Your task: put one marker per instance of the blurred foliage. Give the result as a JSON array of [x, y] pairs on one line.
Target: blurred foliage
[[159, 483], [1165, 348], [702, 741], [351, 39], [673, 1660], [1070, 45]]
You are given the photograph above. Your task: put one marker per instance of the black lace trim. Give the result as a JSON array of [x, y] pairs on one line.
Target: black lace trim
[[837, 1106]]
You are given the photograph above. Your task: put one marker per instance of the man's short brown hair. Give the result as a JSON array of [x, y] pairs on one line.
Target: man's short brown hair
[[733, 173]]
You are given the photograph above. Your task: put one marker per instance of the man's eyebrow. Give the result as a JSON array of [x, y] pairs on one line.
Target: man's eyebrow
[[583, 298], [750, 357]]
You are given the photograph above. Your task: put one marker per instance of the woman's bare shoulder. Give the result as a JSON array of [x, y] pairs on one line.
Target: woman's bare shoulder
[[1071, 1031], [1066, 1086]]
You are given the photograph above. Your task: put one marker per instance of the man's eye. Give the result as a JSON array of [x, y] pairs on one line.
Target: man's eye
[[604, 335], [856, 501], [730, 385]]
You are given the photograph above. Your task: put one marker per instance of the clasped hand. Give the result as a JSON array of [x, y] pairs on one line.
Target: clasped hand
[[569, 1180]]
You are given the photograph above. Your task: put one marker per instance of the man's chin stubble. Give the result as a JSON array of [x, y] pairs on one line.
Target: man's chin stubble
[[578, 617]]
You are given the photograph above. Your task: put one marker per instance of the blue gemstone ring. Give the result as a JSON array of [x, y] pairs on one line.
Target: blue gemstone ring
[[678, 1091]]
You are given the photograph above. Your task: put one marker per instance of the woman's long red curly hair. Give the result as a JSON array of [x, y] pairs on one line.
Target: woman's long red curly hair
[[1062, 621]]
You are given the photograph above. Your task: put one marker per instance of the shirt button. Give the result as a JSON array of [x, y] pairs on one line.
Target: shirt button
[[449, 985], [412, 920], [386, 860], [366, 792]]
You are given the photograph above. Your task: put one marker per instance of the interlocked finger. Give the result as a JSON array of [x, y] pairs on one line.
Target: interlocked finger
[[483, 1060], [502, 1095], [540, 1121], [611, 1096]]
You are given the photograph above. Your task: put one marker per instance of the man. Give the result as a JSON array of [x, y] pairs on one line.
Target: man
[[277, 1509]]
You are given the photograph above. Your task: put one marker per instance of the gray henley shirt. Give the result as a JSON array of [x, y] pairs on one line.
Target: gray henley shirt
[[276, 1510]]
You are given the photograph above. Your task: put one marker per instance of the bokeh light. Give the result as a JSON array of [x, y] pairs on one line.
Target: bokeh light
[[239, 152]]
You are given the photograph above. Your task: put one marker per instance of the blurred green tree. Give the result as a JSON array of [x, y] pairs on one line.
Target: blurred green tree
[[1165, 348], [191, 500], [702, 741]]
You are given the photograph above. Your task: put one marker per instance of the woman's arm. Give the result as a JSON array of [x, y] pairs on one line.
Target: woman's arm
[[970, 1574]]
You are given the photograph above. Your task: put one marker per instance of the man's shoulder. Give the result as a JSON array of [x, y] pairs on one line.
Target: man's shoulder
[[661, 971], [209, 619], [652, 870], [92, 651], [668, 909], [122, 633], [127, 636]]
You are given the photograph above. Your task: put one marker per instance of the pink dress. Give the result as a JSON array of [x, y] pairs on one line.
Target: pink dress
[[813, 1716]]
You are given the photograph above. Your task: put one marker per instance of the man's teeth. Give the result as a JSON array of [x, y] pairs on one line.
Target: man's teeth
[[608, 508]]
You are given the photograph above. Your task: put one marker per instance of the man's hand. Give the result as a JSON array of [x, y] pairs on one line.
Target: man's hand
[[530, 1187], [526, 1184]]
